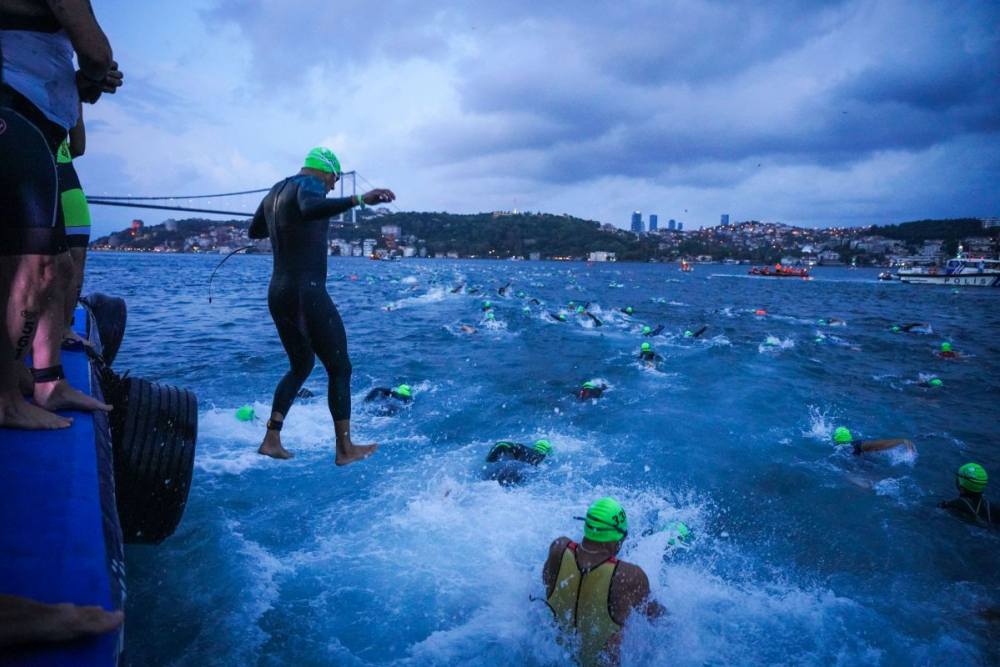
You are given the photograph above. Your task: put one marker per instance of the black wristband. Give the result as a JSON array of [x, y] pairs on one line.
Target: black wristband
[[50, 374]]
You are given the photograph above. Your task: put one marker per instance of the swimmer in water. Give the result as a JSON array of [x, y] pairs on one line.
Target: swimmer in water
[[590, 592], [295, 215], [649, 331], [832, 322], [947, 353], [390, 401], [932, 383], [970, 480], [503, 290], [487, 306], [842, 437], [697, 332], [590, 390], [458, 288], [628, 310], [918, 327], [467, 329], [648, 355], [558, 317], [508, 462]]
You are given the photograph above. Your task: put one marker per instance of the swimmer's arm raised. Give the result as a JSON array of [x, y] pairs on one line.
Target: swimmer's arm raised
[[313, 205]]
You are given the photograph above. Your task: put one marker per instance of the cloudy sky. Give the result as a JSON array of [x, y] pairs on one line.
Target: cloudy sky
[[810, 113]]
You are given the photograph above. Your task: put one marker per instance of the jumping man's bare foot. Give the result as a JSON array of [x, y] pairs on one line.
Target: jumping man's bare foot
[[347, 454], [59, 395], [15, 412], [272, 447]]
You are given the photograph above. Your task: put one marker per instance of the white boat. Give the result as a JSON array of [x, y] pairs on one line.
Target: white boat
[[958, 271]]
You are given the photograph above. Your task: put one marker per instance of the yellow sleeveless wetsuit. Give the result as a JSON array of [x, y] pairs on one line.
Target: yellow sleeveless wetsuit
[[580, 604]]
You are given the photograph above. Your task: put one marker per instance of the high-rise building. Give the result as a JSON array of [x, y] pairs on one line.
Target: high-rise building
[[672, 225], [680, 226], [725, 219], [637, 222], [653, 222]]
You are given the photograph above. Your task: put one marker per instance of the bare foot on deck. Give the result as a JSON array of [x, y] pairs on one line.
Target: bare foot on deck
[[354, 453], [15, 412], [59, 395], [28, 621], [272, 447]]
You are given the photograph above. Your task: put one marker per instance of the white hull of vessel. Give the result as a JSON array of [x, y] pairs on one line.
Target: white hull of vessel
[[967, 280]]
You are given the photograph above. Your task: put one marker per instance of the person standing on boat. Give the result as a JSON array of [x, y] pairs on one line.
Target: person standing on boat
[[40, 94], [295, 215]]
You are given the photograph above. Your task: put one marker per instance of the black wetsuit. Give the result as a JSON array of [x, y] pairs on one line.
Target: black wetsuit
[[389, 401], [655, 332], [597, 322], [585, 393], [650, 356], [295, 216], [973, 508], [699, 332], [29, 188], [557, 317], [507, 461]]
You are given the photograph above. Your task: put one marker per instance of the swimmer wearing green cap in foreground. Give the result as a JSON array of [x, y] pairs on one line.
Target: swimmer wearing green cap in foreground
[[590, 390], [295, 216], [590, 592], [843, 437], [970, 480], [507, 461]]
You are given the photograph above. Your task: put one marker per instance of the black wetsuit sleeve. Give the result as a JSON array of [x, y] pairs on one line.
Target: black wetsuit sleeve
[[258, 226], [314, 205], [376, 393]]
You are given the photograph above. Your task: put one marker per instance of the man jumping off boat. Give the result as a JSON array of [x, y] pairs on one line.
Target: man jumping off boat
[[295, 215]]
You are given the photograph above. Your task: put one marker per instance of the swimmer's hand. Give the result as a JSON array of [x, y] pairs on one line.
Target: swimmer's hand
[[113, 80], [378, 196], [91, 90]]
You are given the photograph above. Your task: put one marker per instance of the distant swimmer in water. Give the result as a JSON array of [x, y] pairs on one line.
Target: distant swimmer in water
[[508, 462], [390, 401], [914, 327], [590, 592], [843, 438], [458, 288], [467, 329], [697, 332], [558, 317], [649, 331], [503, 290], [590, 390], [536, 301], [947, 353], [295, 215], [970, 480], [628, 310], [932, 383], [648, 355], [582, 310], [487, 305]]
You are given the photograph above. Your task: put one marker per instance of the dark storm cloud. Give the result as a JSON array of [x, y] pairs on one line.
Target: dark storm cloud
[[562, 92]]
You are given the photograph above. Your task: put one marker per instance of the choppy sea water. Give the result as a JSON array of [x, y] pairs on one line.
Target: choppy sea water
[[803, 554]]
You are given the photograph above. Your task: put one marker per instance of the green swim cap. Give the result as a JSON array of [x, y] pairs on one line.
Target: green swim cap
[[646, 329], [819, 339], [628, 309], [972, 477], [520, 293], [579, 309], [896, 329], [842, 436], [605, 521], [689, 334], [487, 304], [562, 318], [490, 315], [403, 390], [542, 446], [322, 159], [935, 382], [589, 385], [946, 347], [245, 413], [646, 347], [821, 321]]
